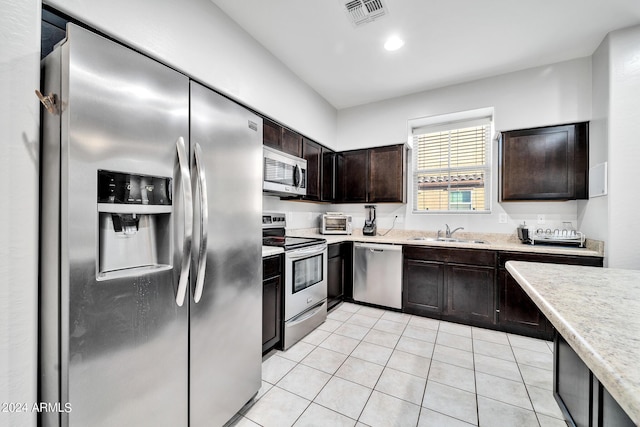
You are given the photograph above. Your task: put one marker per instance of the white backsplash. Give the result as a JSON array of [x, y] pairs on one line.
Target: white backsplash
[[302, 215]]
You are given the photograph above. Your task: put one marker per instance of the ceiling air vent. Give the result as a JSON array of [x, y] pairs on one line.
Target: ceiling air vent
[[363, 11]]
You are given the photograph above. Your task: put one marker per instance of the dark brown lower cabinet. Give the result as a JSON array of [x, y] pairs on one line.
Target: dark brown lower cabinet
[[471, 293], [338, 268], [423, 287], [518, 313], [271, 302], [450, 284], [582, 398], [472, 286]]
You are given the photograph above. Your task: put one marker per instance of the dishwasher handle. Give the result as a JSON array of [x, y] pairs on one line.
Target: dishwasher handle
[[378, 247]]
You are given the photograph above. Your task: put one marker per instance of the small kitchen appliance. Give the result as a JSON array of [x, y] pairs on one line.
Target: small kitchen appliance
[[566, 236], [336, 223], [370, 227], [283, 173]]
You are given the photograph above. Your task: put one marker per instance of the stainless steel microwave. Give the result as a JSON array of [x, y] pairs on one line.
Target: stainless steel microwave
[[336, 223], [284, 173]]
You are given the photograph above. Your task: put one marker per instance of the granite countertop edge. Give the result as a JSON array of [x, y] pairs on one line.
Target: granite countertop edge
[[496, 241]]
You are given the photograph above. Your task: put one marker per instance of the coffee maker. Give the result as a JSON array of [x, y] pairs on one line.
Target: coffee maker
[[369, 228]]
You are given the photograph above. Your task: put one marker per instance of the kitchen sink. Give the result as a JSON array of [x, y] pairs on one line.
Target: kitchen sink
[[449, 239]]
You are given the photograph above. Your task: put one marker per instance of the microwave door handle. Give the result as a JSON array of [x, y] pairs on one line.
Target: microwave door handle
[[300, 178], [296, 178], [185, 178], [204, 222]]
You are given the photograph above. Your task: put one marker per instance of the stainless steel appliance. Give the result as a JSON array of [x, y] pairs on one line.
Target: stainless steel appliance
[[336, 223], [284, 173], [377, 274], [305, 294], [370, 228], [150, 293]]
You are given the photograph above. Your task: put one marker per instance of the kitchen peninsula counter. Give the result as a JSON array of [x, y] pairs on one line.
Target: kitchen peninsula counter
[[597, 311]]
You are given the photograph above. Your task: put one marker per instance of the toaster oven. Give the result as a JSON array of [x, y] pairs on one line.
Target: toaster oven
[[336, 223]]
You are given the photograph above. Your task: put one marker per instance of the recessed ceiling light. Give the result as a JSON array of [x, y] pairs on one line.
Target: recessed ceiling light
[[393, 43]]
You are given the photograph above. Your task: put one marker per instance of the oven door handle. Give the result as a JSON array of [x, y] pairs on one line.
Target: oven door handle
[[204, 222], [305, 253], [306, 315]]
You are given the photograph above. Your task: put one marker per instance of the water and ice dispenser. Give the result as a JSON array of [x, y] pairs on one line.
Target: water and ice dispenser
[[134, 219]]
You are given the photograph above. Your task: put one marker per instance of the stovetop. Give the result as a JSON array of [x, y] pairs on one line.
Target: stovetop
[[274, 234], [289, 243]]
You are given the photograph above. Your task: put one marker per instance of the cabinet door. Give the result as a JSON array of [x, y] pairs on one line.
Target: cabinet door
[[572, 383], [328, 180], [387, 174], [423, 287], [543, 163], [471, 293], [354, 172], [518, 312], [271, 308], [335, 275], [312, 153], [291, 142], [271, 301], [271, 134]]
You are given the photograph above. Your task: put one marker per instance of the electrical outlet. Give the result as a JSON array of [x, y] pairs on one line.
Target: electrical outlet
[[502, 218], [540, 219]]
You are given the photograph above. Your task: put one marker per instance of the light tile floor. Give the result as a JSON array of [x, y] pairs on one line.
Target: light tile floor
[[371, 367]]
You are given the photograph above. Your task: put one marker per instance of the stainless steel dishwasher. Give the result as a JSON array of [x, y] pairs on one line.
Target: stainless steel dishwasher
[[377, 274]]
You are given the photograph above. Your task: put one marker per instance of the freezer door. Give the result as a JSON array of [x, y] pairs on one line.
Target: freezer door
[[225, 328], [121, 338]]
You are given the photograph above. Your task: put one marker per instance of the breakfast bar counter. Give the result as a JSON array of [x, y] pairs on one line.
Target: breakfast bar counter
[[597, 312]]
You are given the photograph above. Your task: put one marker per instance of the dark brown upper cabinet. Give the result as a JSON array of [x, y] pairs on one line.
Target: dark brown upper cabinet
[[353, 173], [546, 163], [387, 174], [373, 175], [312, 153], [329, 175], [281, 138]]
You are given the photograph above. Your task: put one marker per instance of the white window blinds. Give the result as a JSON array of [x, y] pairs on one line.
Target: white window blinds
[[451, 167]]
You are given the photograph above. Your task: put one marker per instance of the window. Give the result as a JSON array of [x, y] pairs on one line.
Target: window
[[451, 166]]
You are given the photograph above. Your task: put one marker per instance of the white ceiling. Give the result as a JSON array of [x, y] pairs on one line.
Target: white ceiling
[[446, 41]]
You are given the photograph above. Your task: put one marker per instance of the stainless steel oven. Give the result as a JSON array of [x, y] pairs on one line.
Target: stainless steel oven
[[305, 294]]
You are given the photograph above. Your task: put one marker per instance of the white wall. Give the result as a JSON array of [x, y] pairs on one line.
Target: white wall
[[197, 38], [19, 121], [624, 148], [593, 215], [553, 94]]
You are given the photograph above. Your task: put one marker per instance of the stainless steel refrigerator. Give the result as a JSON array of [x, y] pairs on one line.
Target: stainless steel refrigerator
[[150, 290]]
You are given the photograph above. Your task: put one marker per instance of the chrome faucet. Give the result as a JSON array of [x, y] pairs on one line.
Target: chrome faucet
[[449, 232]]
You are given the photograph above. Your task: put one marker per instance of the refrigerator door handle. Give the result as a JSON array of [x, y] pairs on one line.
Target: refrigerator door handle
[[188, 221], [204, 222]]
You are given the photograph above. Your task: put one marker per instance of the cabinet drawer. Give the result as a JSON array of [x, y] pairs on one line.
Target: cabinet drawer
[[550, 258], [480, 257], [271, 266]]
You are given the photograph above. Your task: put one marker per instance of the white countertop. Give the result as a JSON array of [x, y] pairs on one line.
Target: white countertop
[[271, 250], [496, 242], [597, 311]]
